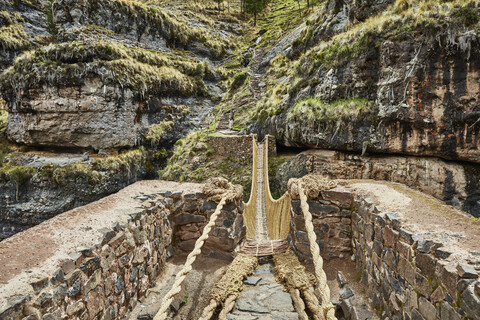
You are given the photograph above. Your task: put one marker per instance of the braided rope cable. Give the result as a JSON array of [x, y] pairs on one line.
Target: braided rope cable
[[227, 307], [207, 313], [312, 302], [298, 303], [324, 291], [181, 275]]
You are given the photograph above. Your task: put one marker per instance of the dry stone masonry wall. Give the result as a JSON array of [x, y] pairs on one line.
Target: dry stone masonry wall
[[332, 224], [107, 280], [190, 212], [104, 281], [406, 275]]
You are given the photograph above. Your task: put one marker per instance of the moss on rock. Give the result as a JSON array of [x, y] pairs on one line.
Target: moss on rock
[[68, 64]]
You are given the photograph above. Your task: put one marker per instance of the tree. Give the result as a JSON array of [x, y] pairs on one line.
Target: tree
[[255, 7]]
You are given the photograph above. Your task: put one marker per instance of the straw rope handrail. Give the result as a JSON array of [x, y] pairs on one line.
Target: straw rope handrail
[[324, 291], [180, 277]]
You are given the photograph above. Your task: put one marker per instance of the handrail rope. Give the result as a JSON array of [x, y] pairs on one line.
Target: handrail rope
[[298, 303], [209, 310], [228, 305], [327, 306], [180, 277]]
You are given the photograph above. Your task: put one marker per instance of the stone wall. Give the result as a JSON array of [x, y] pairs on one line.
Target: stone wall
[[331, 221], [103, 281], [406, 275], [190, 212], [106, 277], [238, 146], [455, 183]]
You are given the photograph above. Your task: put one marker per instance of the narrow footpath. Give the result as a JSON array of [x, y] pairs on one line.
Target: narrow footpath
[[263, 298]]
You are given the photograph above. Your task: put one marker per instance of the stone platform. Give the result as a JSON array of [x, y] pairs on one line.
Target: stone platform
[[263, 298]]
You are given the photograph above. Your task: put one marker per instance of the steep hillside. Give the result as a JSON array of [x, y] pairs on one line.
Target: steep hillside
[[379, 77], [112, 70], [97, 92]]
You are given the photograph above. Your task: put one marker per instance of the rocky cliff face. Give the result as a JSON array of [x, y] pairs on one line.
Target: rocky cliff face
[[398, 82], [119, 68], [23, 26], [31, 194], [410, 88], [456, 184]]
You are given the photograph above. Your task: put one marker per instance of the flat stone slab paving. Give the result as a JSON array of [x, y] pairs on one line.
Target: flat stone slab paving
[[263, 298]]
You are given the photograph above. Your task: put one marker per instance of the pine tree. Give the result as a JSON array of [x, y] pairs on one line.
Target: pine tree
[[255, 7]]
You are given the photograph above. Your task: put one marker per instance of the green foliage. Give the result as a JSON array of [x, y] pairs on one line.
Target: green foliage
[[465, 16], [194, 159], [145, 71], [281, 17], [239, 80], [255, 7], [51, 27], [315, 109], [12, 34], [3, 119], [174, 27], [157, 131]]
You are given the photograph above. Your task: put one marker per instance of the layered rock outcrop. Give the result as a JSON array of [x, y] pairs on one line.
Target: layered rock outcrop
[[398, 82], [113, 79], [456, 184], [33, 194]]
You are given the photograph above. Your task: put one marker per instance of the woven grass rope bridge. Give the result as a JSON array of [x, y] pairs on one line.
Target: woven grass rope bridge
[[267, 224]]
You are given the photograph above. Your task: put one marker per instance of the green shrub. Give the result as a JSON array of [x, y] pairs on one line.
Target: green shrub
[[239, 80]]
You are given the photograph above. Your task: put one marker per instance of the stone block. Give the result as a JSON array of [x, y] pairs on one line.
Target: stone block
[[448, 275], [448, 313], [416, 315], [187, 218], [59, 293], [89, 266], [13, 307], [93, 281], [406, 236], [368, 231], [390, 237], [390, 258], [107, 234], [467, 271], [437, 295], [44, 300], [190, 207], [39, 283], [343, 198], [95, 302], [406, 270], [427, 309], [117, 240], [422, 285], [318, 209], [442, 254], [470, 302], [57, 277], [75, 308], [426, 263], [404, 250]]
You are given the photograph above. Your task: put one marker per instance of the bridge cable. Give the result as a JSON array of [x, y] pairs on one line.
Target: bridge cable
[[327, 307], [180, 277]]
